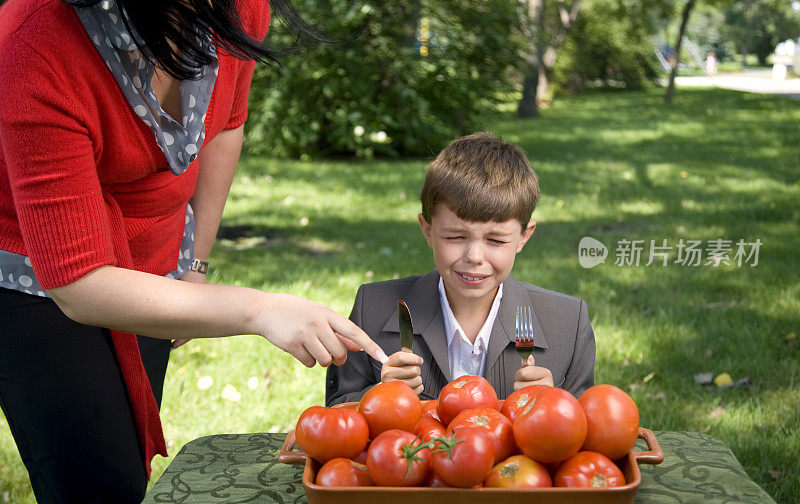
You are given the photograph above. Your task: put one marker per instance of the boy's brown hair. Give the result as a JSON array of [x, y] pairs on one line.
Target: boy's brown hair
[[482, 179]]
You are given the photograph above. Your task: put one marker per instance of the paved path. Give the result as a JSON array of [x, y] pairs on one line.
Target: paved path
[[752, 81]]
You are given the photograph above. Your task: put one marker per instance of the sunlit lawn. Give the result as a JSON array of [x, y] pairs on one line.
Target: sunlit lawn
[[717, 165]]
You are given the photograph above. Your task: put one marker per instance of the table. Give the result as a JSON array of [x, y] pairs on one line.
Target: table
[[239, 468]]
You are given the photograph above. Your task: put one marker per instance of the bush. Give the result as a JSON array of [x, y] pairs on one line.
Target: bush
[[374, 94], [611, 45]]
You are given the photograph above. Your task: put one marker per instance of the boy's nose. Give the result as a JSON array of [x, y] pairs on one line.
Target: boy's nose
[[474, 253]]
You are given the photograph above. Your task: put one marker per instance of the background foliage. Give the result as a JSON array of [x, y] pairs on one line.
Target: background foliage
[[611, 45], [374, 94], [707, 28], [734, 29], [758, 26]]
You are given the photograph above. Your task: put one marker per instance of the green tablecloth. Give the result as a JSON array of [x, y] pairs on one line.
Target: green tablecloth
[[238, 468]]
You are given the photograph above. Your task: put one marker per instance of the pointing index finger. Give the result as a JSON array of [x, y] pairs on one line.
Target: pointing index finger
[[354, 338]]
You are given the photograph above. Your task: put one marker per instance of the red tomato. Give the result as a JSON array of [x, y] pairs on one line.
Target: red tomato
[[433, 480], [613, 420], [390, 405], [327, 433], [551, 427], [519, 399], [519, 472], [429, 409], [361, 458], [397, 458], [428, 428], [464, 458], [343, 472], [589, 469], [495, 425], [465, 393]]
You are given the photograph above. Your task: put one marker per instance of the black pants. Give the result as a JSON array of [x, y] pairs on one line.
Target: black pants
[[62, 393]]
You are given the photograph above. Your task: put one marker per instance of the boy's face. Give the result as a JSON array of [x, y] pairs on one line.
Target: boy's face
[[473, 258]]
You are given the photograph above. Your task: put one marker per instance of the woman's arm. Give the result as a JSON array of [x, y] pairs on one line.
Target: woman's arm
[[160, 307], [217, 165]]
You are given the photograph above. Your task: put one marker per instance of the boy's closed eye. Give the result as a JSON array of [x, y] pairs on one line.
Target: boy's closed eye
[[496, 241]]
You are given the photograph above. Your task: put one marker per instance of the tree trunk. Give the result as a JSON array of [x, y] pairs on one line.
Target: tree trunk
[[528, 107], [687, 9], [535, 86], [543, 89], [748, 9], [546, 64], [541, 47], [744, 53], [542, 53]]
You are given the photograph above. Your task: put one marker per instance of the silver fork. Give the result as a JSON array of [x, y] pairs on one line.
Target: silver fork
[[523, 332]]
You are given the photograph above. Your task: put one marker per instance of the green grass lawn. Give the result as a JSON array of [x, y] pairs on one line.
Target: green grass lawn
[[716, 165]]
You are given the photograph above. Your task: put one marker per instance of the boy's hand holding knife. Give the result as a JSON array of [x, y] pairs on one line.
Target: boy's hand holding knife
[[404, 365]]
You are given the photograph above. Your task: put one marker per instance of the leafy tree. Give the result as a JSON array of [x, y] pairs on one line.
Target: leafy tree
[[611, 45], [545, 26], [686, 11], [757, 26], [373, 92], [707, 29]]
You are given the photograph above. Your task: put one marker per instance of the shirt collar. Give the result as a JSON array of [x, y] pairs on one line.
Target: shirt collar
[[452, 327]]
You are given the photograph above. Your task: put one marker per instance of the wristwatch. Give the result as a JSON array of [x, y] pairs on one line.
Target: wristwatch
[[199, 266]]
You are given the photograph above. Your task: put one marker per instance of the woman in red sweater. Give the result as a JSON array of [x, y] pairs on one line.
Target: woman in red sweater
[[120, 131]]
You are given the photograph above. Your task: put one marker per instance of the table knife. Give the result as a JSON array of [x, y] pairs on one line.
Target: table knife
[[406, 330]]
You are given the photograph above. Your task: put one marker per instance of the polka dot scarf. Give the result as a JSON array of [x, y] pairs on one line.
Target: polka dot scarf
[[178, 138], [179, 141]]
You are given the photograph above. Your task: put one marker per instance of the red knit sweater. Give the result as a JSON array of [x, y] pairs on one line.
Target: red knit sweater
[[82, 182]]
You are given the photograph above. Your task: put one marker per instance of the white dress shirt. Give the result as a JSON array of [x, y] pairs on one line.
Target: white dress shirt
[[467, 358]]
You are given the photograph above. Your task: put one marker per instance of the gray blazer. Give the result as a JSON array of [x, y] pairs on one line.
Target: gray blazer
[[563, 338]]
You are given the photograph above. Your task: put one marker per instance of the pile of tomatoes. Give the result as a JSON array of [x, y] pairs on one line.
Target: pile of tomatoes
[[538, 437]]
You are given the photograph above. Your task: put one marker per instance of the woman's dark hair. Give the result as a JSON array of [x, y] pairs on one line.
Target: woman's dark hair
[[168, 30]]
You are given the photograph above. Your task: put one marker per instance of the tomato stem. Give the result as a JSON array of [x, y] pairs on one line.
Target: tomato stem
[[445, 444], [598, 481], [509, 470], [410, 453]]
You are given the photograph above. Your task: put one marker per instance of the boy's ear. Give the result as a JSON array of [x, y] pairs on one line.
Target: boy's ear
[[425, 227], [526, 234]]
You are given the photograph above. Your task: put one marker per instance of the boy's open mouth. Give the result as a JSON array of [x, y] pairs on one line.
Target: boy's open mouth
[[474, 278]]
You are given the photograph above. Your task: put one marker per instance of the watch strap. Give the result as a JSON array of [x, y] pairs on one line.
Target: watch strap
[[199, 266]]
